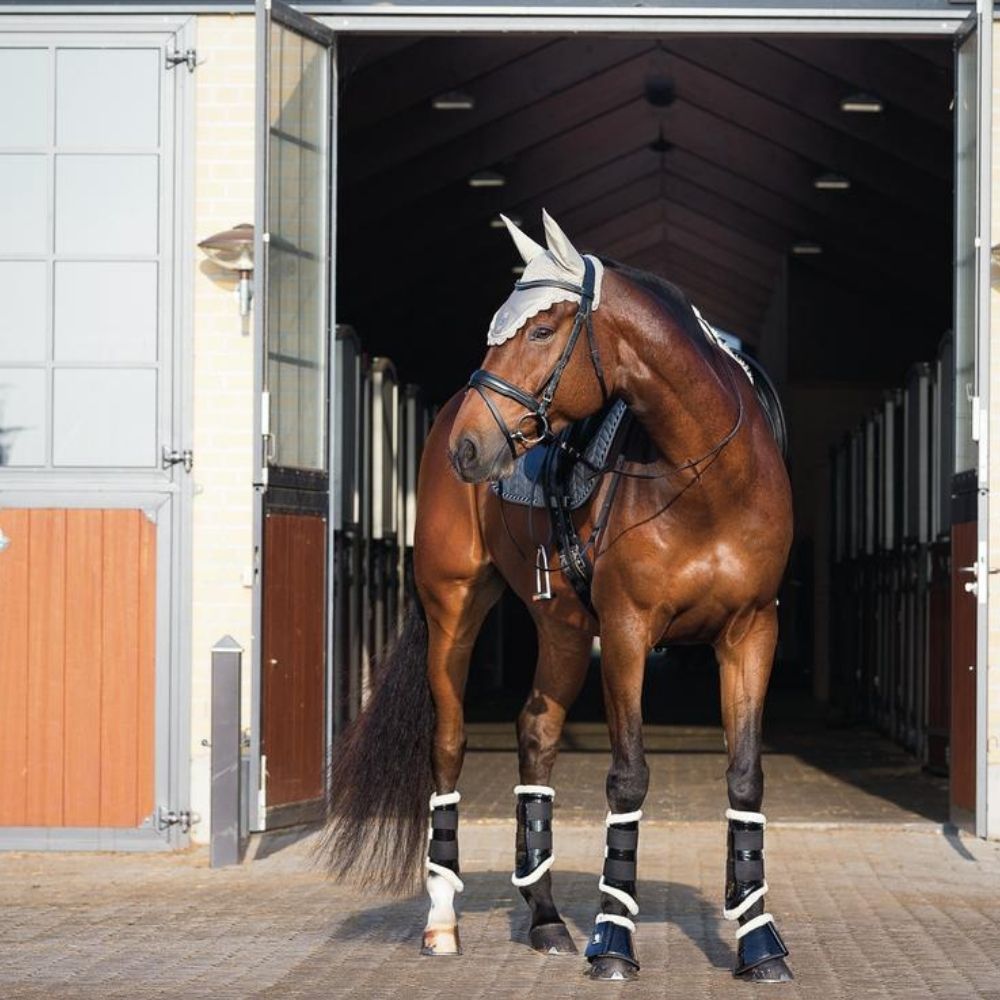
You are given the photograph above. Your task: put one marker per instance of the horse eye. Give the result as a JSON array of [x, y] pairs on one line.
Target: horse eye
[[541, 333]]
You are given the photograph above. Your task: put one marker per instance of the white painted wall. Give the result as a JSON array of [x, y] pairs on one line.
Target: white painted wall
[[223, 378]]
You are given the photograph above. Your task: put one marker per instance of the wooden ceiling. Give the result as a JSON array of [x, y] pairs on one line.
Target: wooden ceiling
[[567, 122]]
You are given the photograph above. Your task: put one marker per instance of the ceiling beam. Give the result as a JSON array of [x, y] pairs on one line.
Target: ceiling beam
[[892, 73], [569, 72], [421, 72], [778, 77]]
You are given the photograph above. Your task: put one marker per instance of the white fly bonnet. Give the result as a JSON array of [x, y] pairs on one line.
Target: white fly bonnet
[[560, 262]]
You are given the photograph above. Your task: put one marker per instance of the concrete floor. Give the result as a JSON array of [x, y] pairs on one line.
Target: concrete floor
[[874, 897]]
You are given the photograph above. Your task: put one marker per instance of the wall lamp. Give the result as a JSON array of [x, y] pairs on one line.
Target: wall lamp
[[233, 251]]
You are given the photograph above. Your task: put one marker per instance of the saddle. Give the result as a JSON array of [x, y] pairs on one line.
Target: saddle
[[560, 476]]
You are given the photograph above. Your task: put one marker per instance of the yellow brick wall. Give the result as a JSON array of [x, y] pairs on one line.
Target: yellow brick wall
[[223, 376]]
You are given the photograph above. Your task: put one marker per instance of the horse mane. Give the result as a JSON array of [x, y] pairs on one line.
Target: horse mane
[[668, 296]]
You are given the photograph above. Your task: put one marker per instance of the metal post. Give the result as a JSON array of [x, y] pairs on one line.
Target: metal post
[[226, 848]]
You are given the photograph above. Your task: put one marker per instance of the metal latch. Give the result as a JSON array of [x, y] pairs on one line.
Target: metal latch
[[4, 540], [166, 819], [971, 586], [171, 457], [189, 58]]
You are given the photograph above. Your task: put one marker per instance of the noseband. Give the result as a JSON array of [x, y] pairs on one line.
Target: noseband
[[538, 405]]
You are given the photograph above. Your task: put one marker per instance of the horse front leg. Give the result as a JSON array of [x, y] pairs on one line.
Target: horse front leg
[[611, 949], [563, 655], [454, 617], [745, 655]]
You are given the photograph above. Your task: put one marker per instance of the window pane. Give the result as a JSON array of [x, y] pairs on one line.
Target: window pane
[[105, 311], [107, 204], [107, 97], [24, 97], [22, 416], [23, 293], [23, 204], [104, 418], [298, 254]]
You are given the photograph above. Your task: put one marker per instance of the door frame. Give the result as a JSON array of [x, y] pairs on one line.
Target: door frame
[[950, 21], [164, 496]]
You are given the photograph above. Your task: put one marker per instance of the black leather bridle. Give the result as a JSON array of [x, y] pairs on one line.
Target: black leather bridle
[[538, 405]]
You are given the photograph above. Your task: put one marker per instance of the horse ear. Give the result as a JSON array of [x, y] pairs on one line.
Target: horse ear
[[526, 246], [560, 247]]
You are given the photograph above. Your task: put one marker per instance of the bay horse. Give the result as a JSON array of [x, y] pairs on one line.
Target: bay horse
[[687, 541]]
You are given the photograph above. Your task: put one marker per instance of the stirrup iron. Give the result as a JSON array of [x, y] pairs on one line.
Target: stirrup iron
[[543, 578]]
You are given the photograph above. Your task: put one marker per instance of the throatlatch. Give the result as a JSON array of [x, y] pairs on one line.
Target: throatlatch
[[757, 939], [534, 855], [443, 880], [613, 931]]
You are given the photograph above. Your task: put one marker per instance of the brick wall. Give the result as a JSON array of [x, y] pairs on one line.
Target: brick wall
[[223, 376]]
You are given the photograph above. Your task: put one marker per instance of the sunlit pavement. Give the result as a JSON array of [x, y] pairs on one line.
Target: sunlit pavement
[[875, 898]]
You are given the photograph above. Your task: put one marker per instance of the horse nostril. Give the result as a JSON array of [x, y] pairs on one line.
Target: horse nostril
[[467, 452]]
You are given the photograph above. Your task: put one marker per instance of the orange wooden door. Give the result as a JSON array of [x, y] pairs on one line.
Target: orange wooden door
[[294, 662], [963, 668], [77, 668]]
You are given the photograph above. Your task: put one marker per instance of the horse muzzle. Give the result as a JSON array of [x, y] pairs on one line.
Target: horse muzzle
[[475, 462]]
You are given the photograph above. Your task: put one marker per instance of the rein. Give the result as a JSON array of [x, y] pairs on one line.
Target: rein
[[538, 405]]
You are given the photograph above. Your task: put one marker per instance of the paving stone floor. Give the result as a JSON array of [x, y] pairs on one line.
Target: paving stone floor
[[868, 911], [874, 896]]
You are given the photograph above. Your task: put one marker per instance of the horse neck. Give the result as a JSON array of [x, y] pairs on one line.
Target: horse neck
[[679, 390]]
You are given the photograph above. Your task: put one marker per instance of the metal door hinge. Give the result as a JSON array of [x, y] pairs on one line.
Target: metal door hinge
[[168, 818], [171, 457], [189, 58]]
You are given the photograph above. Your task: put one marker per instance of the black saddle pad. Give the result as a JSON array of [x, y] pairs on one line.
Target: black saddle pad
[[594, 438]]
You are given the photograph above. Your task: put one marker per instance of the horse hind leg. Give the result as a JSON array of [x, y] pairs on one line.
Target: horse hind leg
[[455, 616], [745, 667], [563, 656]]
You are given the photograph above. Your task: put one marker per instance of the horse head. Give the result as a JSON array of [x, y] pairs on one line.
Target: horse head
[[542, 368]]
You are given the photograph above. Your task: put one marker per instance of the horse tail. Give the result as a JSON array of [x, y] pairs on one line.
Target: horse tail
[[380, 775]]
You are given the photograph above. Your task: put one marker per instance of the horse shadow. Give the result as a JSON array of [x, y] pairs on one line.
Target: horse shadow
[[399, 921]]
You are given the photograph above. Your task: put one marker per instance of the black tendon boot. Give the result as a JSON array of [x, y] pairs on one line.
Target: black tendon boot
[[534, 820], [611, 949], [534, 857], [760, 951]]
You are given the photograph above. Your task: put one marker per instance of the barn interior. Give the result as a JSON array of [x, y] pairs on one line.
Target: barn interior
[[799, 189]]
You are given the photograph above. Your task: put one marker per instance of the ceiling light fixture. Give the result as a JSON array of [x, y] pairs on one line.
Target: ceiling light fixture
[[487, 179], [454, 100], [864, 104], [831, 182], [806, 248]]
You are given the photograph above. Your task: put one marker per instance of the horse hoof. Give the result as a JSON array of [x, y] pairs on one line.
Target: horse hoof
[[774, 970], [612, 969], [552, 939], [441, 941]]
